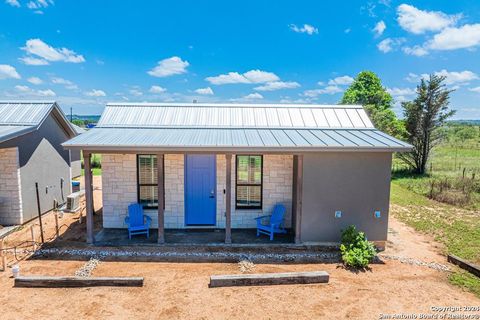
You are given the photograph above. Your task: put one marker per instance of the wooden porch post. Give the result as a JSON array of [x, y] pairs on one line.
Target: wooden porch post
[[87, 156], [228, 199], [298, 159], [161, 199]]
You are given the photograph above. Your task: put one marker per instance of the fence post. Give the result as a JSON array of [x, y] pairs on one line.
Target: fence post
[[32, 232], [56, 224], [3, 254]]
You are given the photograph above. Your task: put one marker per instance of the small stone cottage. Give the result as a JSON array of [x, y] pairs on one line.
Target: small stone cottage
[[219, 166]]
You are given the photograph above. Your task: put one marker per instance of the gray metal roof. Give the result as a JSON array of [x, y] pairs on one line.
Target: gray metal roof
[[234, 128], [233, 116], [21, 117], [78, 130]]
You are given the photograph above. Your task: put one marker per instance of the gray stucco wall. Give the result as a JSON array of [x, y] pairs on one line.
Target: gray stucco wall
[[75, 163], [358, 184], [42, 159]]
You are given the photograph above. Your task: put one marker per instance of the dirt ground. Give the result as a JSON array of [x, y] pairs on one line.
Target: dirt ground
[[180, 290]]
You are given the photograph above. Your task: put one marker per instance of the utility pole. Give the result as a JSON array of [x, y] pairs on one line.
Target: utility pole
[[71, 114]]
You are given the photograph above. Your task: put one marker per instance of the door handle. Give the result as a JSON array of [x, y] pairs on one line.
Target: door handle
[[212, 194]]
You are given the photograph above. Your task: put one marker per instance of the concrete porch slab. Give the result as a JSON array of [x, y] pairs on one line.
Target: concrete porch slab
[[212, 237]]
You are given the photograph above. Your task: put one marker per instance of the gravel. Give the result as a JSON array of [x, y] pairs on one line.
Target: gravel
[[246, 266], [87, 269], [235, 256], [416, 262]]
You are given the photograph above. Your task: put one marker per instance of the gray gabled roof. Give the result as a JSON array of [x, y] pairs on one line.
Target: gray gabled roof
[[234, 128], [20, 117]]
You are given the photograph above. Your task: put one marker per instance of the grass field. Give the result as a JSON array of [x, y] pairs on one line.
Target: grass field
[[454, 222], [96, 165]]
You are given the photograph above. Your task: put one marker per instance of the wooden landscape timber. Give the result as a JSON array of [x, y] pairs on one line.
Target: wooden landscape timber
[[269, 279], [470, 267], [76, 282]]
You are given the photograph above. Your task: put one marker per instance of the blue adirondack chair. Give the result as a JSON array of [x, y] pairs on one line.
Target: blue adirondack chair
[[137, 222], [275, 222]]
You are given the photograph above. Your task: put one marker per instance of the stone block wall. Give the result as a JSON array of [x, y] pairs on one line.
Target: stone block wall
[[277, 188], [10, 188], [119, 181], [119, 187]]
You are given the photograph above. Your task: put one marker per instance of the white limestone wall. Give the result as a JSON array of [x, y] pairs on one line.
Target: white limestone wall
[[119, 187], [10, 188], [119, 184], [277, 188]]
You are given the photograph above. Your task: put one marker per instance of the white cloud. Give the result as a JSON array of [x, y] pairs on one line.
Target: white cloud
[[332, 89], [258, 76], [476, 89], [22, 88], [401, 91], [466, 36], [253, 96], [57, 80], [157, 89], [35, 80], [135, 92], [419, 21], [418, 51], [277, 85], [39, 4], [27, 91], [205, 91], [379, 28], [390, 44], [454, 77], [7, 71], [343, 80], [13, 3], [252, 76], [307, 28], [67, 83], [168, 67], [41, 53], [95, 93], [30, 61], [46, 93], [414, 78]]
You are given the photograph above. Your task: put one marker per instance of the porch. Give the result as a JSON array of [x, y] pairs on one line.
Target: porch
[[170, 223], [193, 237]]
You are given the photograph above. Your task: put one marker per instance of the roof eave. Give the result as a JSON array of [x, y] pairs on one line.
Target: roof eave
[[228, 149]]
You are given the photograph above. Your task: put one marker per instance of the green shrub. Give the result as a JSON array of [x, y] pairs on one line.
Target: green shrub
[[356, 251]]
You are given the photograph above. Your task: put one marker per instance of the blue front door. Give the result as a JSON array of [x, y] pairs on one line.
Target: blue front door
[[200, 190]]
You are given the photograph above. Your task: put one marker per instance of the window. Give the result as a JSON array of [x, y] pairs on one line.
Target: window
[[249, 179], [147, 180]]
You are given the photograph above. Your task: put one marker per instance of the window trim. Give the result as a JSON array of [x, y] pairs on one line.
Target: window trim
[[237, 207], [149, 184]]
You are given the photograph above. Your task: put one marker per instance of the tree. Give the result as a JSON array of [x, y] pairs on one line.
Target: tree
[[78, 122], [424, 116], [368, 91]]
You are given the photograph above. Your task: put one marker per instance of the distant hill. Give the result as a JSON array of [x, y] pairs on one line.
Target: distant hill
[[90, 118], [468, 122]]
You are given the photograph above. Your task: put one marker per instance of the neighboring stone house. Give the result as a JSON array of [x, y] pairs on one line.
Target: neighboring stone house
[[31, 134], [327, 165]]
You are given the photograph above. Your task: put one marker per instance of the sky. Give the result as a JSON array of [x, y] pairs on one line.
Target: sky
[[84, 54]]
